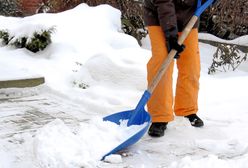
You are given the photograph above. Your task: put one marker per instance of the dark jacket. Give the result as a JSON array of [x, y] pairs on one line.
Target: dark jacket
[[171, 15]]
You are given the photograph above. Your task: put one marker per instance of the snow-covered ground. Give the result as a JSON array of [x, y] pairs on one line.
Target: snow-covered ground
[[89, 50]]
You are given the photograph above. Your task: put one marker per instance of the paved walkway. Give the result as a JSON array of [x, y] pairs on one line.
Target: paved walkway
[[26, 110], [23, 112]]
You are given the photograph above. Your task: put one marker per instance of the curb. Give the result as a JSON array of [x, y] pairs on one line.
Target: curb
[[242, 48], [22, 83]]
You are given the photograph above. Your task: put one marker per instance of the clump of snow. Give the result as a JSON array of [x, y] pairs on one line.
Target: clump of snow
[[114, 158], [224, 148], [55, 145]]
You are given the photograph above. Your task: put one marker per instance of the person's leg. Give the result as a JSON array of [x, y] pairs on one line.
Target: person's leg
[[161, 101], [186, 99]]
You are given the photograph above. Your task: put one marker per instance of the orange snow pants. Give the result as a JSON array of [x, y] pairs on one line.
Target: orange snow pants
[[162, 103]]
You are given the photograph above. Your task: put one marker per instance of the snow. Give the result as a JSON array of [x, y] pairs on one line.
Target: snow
[[89, 49], [239, 41], [114, 158], [57, 146]]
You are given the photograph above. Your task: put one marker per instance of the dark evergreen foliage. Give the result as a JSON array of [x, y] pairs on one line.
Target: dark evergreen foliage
[[4, 36], [10, 8], [39, 41], [226, 19]]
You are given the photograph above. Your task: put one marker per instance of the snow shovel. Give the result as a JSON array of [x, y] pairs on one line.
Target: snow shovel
[[139, 115]]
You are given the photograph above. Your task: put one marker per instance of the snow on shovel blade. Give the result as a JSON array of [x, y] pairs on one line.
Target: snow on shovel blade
[[116, 118], [138, 116]]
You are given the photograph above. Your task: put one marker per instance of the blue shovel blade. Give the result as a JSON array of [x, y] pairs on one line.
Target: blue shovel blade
[[126, 115]]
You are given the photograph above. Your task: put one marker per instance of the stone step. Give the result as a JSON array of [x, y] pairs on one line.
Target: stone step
[[22, 83]]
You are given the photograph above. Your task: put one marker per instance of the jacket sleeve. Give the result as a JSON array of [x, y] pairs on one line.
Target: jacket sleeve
[[167, 16]]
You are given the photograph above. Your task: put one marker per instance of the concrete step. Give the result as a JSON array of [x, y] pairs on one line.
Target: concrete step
[[22, 83]]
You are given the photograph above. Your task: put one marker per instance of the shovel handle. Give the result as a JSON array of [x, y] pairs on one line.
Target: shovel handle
[[172, 53]]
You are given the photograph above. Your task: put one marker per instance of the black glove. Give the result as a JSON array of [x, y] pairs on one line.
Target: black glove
[[173, 44]]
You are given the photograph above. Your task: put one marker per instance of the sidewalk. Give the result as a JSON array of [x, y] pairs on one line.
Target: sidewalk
[[24, 111]]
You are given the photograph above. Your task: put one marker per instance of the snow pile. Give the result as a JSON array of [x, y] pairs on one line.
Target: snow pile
[[56, 146], [239, 41], [84, 37]]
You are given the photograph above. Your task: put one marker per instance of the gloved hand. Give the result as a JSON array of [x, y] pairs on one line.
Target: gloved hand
[[172, 44]]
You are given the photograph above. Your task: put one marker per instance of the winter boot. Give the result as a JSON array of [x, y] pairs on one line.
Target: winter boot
[[157, 129], [195, 121]]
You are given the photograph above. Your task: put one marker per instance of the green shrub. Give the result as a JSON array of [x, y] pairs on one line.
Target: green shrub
[[4, 36], [39, 40]]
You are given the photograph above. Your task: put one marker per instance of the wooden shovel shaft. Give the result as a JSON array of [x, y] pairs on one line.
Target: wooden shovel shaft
[[171, 55]]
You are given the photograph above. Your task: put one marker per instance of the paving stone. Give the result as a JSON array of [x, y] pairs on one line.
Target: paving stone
[[29, 113]]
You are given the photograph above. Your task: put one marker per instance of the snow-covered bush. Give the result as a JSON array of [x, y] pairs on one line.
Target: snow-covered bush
[[227, 57], [38, 41], [4, 37]]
